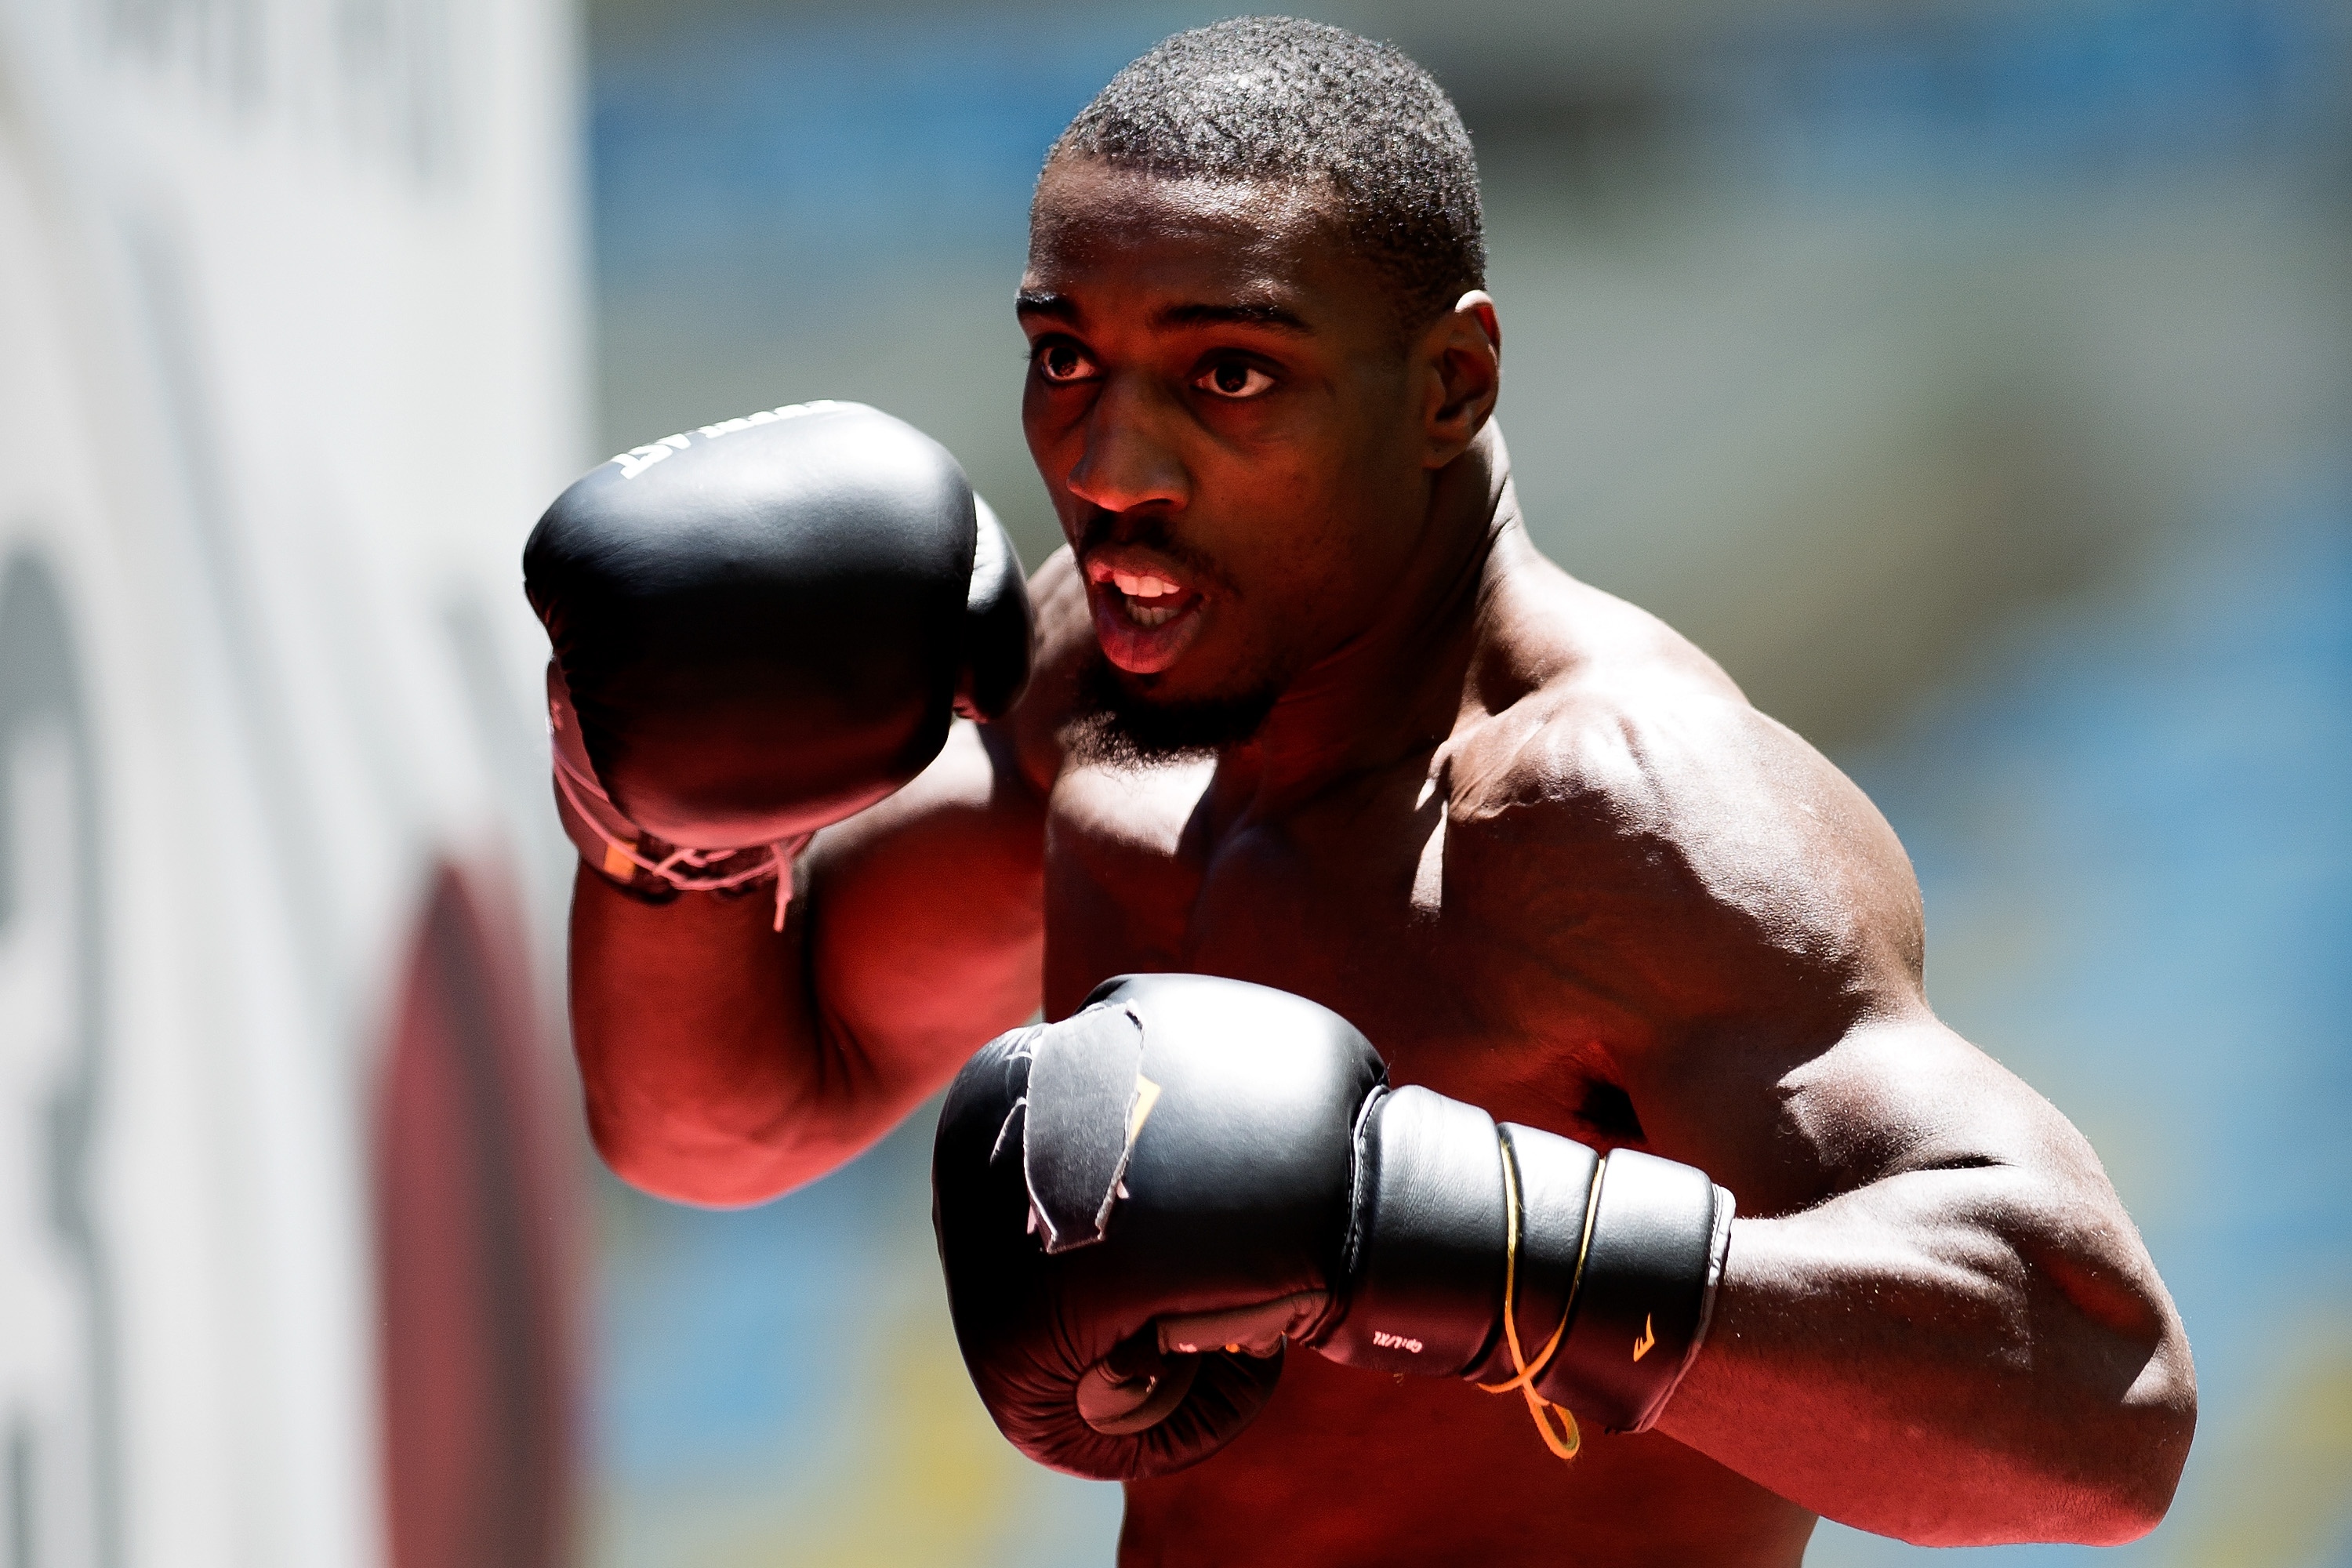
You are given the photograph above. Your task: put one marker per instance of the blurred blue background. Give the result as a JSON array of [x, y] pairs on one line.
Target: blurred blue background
[[1971, 380]]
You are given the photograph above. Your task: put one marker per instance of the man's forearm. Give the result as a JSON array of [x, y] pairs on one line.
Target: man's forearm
[[1952, 1356], [699, 1048], [726, 1062]]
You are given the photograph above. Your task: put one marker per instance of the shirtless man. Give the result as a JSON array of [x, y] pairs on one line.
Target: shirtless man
[[1310, 711]]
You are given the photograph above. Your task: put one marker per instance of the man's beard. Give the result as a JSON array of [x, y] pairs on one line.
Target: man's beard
[[1119, 725]]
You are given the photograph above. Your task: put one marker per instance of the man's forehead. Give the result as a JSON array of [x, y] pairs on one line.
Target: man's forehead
[[1082, 198], [1180, 249]]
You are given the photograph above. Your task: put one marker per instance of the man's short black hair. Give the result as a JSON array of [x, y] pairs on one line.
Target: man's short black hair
[[1274, 97]]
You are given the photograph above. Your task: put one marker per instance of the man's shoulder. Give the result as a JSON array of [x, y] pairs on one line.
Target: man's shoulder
[[1590, 710], [1622, 788]]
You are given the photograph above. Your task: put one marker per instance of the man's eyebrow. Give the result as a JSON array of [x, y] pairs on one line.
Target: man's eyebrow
[[1248, 315], [1062, 307], [1038, 302]]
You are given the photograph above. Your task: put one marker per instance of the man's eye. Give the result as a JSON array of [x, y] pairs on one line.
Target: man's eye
[[1061, 361], [1233, 378]]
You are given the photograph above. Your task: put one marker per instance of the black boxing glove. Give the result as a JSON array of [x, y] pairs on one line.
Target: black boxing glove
[[1137, 1207], [1181, 1147], [761, 628]]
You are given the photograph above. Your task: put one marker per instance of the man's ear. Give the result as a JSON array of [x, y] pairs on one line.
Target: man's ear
[[1463, 351]]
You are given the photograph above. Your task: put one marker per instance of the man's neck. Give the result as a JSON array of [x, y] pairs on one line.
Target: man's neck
[[1396, 687]]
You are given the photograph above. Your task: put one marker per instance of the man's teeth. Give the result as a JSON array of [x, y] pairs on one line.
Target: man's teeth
[[1143, 585], [1148, 600]]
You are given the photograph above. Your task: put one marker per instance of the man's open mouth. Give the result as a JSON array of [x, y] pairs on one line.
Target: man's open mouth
[[1146, 614], [1148, 600]]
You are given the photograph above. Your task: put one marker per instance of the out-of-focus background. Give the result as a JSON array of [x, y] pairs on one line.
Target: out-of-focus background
[[292, 1209], [1973, 379]]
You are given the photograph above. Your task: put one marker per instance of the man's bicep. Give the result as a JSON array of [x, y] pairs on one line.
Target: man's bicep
[[1791, 1123], [927, 927]]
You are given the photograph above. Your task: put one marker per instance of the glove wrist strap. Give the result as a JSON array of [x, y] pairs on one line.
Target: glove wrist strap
[[646, 867], [1604, 1269], [1628, 1252], [1652, 1259]]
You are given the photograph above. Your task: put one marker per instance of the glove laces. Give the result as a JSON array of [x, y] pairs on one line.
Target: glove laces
[[1554, 1422], [688, 870]]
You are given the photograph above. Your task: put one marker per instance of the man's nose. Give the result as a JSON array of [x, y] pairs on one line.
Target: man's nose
[[1128, 461]]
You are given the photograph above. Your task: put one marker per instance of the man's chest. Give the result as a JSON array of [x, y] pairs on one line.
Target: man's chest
[[1346, 902]]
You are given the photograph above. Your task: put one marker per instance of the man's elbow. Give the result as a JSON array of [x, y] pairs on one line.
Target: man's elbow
[[2081, 1471], [2142, 1460], [2110, 1474], [2125, 1410], [707, 1172]]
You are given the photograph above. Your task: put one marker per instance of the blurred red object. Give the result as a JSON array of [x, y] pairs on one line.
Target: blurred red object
[[475, 1268]]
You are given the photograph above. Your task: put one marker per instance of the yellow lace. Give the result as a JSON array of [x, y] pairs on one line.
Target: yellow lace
[[1565, 1439]]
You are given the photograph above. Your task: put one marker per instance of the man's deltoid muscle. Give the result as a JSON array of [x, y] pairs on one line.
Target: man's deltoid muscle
[[1486, 1104]]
